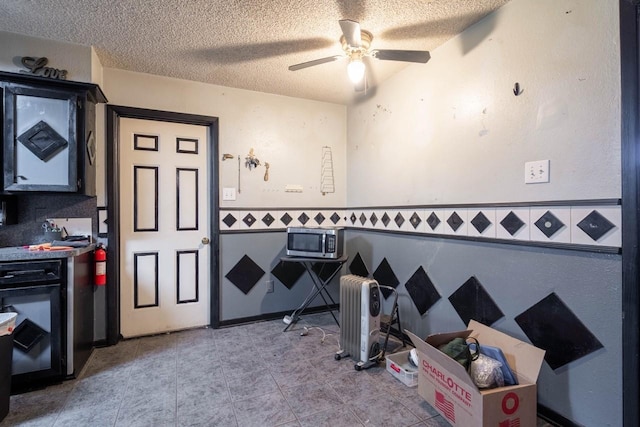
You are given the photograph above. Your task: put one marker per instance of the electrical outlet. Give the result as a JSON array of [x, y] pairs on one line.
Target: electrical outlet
[[269, 286], [536, 172]]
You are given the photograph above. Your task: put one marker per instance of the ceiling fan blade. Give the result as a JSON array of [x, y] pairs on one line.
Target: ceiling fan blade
[[308, 64], [421, 56], [351, 31]]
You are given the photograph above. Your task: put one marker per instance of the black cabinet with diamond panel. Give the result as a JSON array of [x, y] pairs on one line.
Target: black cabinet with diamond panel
[[49, 141]]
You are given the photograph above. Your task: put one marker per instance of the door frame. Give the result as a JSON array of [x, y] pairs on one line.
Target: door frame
[[114, 113], [630, 156]]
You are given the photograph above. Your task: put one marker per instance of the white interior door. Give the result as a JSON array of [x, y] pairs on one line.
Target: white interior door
[[164, 227]]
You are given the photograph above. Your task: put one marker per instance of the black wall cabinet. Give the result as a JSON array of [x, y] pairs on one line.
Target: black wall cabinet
[[49, 141]]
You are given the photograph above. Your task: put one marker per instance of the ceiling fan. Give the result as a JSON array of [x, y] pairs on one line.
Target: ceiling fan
[[356, 44]]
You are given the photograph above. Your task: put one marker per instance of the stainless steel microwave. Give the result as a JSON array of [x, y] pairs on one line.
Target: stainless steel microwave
[[315, 242]]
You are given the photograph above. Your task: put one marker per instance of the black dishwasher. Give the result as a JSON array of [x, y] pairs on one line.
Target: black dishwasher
[[34, 290]]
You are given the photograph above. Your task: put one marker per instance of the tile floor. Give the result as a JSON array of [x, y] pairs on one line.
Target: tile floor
[[248, 375]]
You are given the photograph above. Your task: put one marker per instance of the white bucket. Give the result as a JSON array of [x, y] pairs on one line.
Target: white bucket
[[7, 323]]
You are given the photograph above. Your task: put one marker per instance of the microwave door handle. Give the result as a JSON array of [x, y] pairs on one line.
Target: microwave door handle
[[324, 243]]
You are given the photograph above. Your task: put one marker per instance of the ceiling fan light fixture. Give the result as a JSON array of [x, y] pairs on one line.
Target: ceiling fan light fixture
[[355, 69]]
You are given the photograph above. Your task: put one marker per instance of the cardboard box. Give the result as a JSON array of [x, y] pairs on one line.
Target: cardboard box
[[446, 385]]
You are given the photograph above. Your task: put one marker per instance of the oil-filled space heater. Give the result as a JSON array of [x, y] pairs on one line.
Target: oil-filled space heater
[[359, 320]]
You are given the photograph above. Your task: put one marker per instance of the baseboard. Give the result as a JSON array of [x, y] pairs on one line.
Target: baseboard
[[274, 316], [100, 343], [554, 418]]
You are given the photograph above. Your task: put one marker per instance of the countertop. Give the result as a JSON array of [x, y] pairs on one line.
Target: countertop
[[18, 253]]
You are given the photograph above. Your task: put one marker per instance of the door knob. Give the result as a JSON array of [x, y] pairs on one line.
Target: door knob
[[205, 240]]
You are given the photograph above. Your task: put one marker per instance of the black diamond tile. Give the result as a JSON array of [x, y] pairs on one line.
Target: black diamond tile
[[288, 273], [229, 220], [595, 225], [335, 218], [512, 223], [325, 270], [433, 220], [363, 218], [245, 274], [455, 221], [319, 218], [385, 276], [353, 218], [385, 219], [249, 220], [373, 218], [303, 218], [415, 220], [472, 301], [42, 140], [421, 290], [358, 267], [268, 219], [480, 222], [286, 219], [399, 220], [553, 327], [549, 224]]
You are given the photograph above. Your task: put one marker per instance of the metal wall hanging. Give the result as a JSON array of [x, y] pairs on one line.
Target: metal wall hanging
[[251, 161], [37, 66], [327, 183], [43, 141], [91, 148]]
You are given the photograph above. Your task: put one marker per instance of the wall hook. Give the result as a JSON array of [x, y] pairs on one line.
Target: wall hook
[[516, 89]]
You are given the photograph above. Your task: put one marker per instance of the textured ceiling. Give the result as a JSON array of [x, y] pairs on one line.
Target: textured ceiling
[[245, 44]]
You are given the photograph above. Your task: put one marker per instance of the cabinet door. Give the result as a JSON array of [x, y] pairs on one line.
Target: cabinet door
[[40, 131]]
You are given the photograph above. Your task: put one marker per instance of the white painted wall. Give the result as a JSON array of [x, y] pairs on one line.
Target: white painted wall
[[452, 131], [288, 133], [74, 58]]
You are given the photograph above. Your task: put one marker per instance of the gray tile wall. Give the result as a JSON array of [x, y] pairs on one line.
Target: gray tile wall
[[33, 209], [516, 278]]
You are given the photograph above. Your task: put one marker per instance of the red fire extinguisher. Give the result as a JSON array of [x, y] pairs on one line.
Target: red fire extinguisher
[[100, 256]]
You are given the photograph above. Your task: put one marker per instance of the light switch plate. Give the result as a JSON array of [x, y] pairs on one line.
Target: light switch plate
[[229, 193], [536, 172]]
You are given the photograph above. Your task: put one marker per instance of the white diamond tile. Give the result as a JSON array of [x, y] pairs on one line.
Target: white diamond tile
[[406, 225], [348, 222], [295, 222], [325, 223], [522, 233], [274, 225], [612, 213], [421, 227], [341, 214], [490, 231], [257, 224], [390, 224], [367, 216], [563, 235], [235, 225], [378, 225], [462, 230], [292, 214], [440, 228]]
